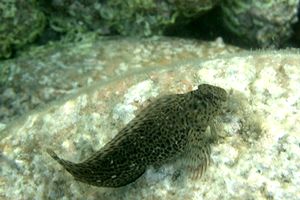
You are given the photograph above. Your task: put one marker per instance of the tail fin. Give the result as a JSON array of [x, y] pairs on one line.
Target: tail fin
[[71, 167], [52, 154], [95, 173]]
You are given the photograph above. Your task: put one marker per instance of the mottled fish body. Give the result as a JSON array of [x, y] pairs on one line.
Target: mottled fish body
[[167, 128]]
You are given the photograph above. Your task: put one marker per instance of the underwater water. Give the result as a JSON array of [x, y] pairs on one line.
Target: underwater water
[[78, 85]]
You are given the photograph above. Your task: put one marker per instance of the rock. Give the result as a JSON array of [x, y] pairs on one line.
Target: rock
[[21, 23], [59, 69], [257, 157], [130, 17], [256, 23], [261, 23]]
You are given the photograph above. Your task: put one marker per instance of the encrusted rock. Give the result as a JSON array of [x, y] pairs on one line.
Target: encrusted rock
[[257, 156]]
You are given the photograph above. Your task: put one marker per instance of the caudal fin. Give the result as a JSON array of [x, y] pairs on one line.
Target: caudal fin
[[71, 167], [52, 154], [94, 173]]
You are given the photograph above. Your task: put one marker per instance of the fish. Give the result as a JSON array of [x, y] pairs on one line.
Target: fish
[[171, 127]]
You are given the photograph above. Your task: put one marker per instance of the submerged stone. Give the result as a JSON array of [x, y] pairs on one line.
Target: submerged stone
[[257, 156]]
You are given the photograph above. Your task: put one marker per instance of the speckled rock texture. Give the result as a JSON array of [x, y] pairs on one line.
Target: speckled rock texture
[[257, 156], [20, 23], [261, 23], [23, 21], [129, 17], [59, 69]]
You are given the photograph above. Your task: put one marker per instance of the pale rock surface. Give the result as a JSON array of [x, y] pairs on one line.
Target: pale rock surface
[[256, 158], [48, 73]]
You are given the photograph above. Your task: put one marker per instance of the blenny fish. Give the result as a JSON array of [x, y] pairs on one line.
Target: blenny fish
[[169, 127]]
